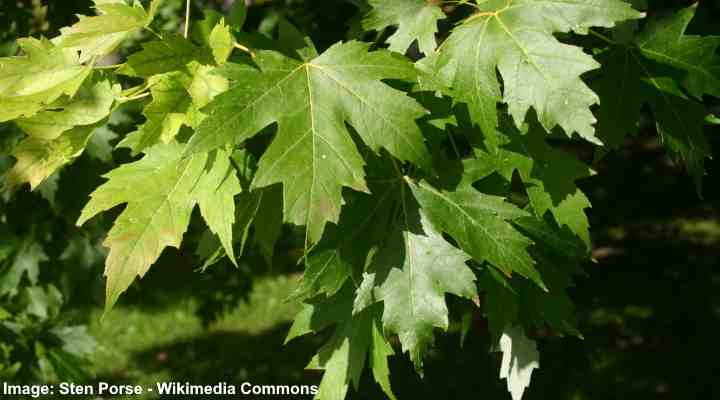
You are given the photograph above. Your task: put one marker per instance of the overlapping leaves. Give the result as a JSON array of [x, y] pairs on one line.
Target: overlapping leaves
[[311, 99], [416, 20], [515, 37], [159, 206], [666, 69], [397, 215]]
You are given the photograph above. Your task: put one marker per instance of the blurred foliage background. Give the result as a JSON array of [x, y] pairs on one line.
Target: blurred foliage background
[[649, 307]]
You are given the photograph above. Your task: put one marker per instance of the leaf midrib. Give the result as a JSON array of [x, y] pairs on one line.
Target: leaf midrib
[[166, 201]]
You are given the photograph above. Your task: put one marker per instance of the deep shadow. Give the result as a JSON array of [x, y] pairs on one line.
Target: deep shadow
[[231, 357]]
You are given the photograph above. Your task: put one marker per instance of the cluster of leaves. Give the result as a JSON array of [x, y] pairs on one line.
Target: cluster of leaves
[[40, 341], [413, 178]]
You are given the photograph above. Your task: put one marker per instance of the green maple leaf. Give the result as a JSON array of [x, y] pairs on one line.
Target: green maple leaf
[[680, 122], [90, 104], [160, 190], [364, 223], [165, 115], [42, 302], [480, 223], [549, 175], [221, 41], [516, 38], [269, 226], [411, 275], [25, 263], [100, 146], [172, 53], [344, 249], [37, 78], [357, 339], [177, 98], [620, 96], [415, 19], [559, 255], [313, 155], [500, 302], [664, 41], [215, 193], [630, 79], [203, 87], [102, 34], [37, 159]]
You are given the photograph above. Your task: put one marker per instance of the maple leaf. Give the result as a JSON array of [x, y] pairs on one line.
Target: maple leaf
[[664, 41], [516, 38], [25, 263], [100, 146], [221, 41], [215, 193], [363, 228], [559, 255], [160, 190], [415, 19], [102, 34], [480, 223], [204, 85], [165, 115], [177, 98], [344, 249], [411, 275], [357, 339], [37, 159], [269, 226], [548, 174], [89, 105], [630, 79], [37, 78], [172, 53], [313, 155], [520, 358]]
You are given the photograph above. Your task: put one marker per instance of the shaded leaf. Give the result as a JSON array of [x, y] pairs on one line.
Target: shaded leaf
[[664, 41], [37, 159], [480, 224], [415, 19]]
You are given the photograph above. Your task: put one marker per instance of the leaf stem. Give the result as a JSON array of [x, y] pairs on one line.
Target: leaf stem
[[453, 144], [132, 98], [244, 48], [601, 36], [149, 29], [113, 66], [187, 19]]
